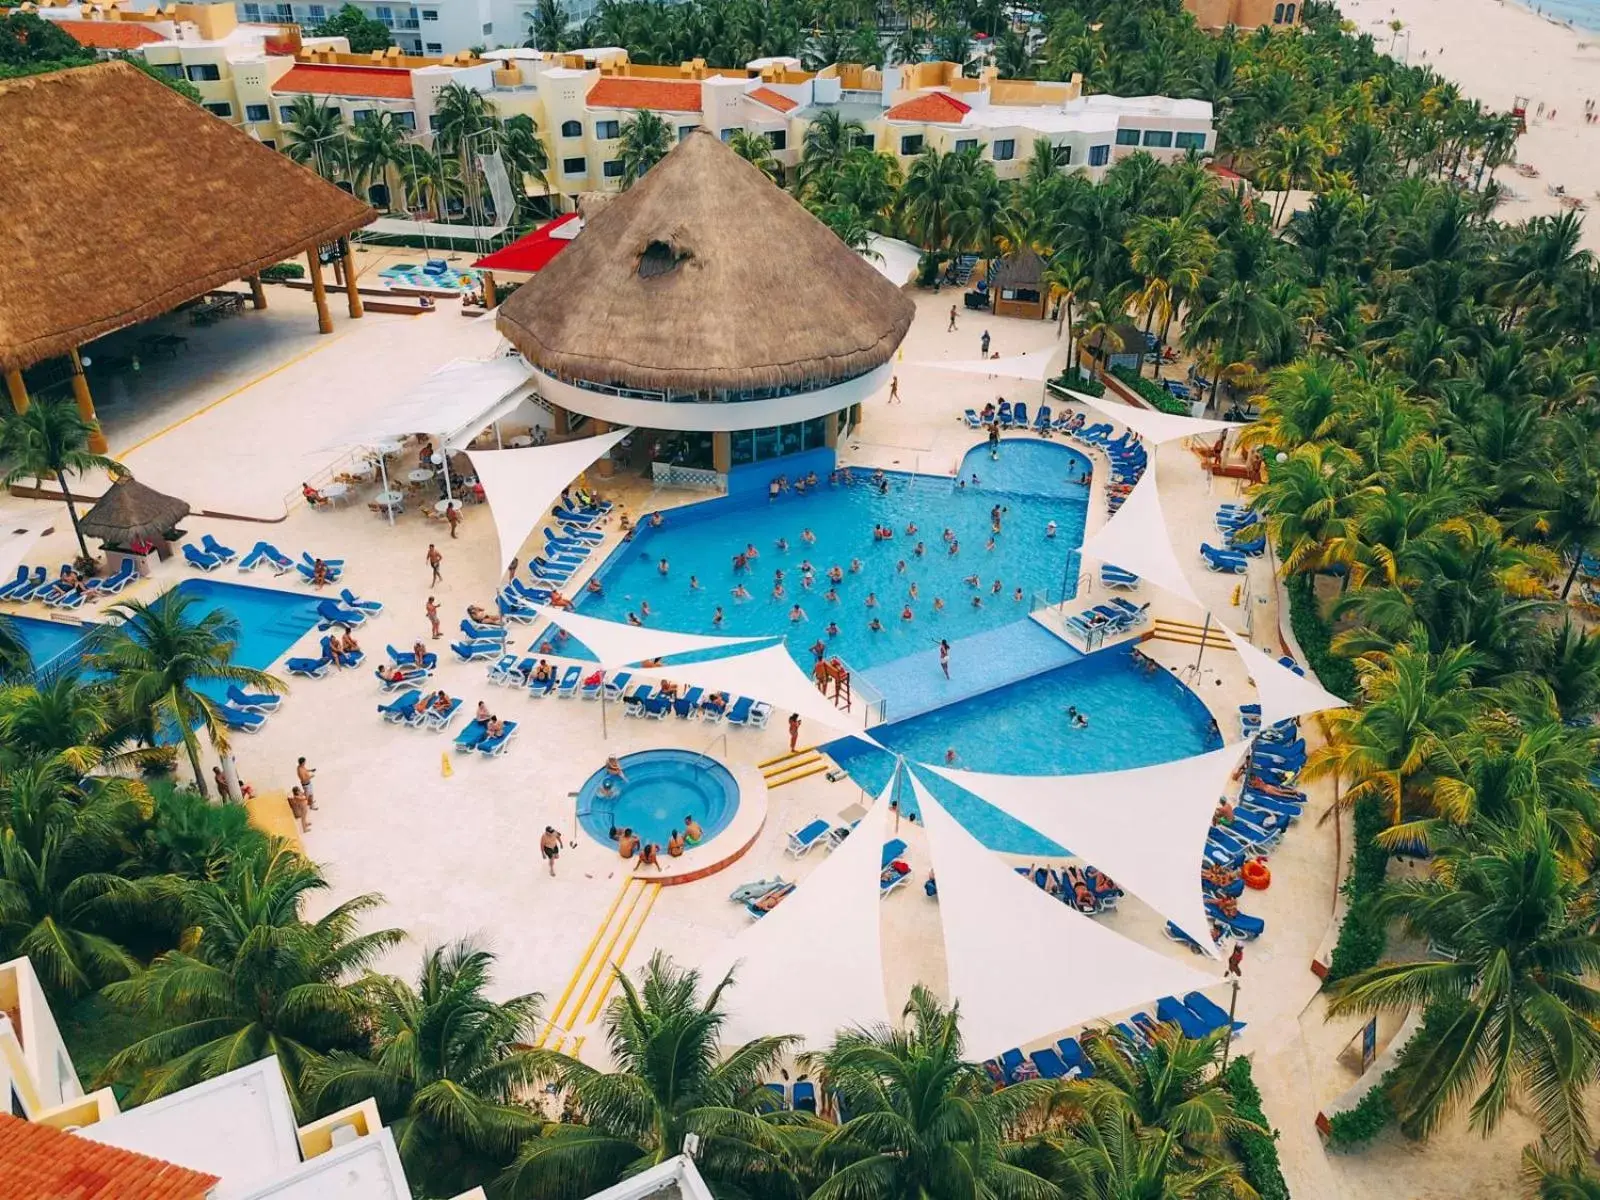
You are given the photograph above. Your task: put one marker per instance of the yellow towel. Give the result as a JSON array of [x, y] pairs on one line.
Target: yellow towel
[[444, 765]]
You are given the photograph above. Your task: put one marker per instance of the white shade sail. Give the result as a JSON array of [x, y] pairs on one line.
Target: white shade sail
[[521, 485], [1135, 539], [14, 550], [1023, 965], [1034, 365], [768, 675], [1282, 692], [1145, 828], [895, 260], [618, 645], [455, 400], [813, 964], [1154, 427]]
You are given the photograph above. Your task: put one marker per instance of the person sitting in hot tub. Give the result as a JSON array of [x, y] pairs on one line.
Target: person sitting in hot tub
[[614, 769], [692, 833]]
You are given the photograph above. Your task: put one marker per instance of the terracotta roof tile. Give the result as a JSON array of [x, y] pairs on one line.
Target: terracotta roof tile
[[46, 1164], [383, 83], [111, 35], [773, 99], [663, 95], [938, 108]]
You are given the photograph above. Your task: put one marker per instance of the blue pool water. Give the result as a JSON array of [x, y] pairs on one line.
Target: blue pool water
[[662, 787], [1136, 719], [1035, 482]]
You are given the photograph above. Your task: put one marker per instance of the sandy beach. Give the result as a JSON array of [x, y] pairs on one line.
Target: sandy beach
[[1496, 52]]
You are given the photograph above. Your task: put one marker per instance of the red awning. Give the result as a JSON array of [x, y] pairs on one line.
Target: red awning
[[532, 251]]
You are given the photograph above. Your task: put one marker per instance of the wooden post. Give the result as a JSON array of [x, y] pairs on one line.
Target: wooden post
[[490, 298], [258, 294], [319, 293], [80, 392], [18, 390], [352, 293]]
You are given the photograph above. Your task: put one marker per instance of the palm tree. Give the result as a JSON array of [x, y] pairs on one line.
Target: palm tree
[[756, 150], [377, 147], [444, 1069], [937, 187], [16, 662], [1291, 157], [1547, 1178], [525, 154], [549, 29], [1513, 1014], [164, 662], [432, 180], [828, 141], [1563, 494], [51, 440], [924, 1122], [258, 980], [312, 135], [672, 1079], [464, 125], [645, 140]]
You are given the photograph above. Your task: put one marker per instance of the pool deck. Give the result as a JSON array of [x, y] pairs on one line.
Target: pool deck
[[451, 840]]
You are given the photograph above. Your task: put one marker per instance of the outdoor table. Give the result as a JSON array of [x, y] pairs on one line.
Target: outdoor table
[[445, 505], [389, 499], [520, 441], [336, 493], [420, 475]]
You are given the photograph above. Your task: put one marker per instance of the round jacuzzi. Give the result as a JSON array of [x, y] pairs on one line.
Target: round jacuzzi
[[661, 788]]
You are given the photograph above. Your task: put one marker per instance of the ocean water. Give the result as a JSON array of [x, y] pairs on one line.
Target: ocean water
[[1585, 14]]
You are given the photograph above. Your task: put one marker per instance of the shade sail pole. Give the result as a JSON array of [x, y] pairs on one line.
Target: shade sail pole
[[383, 472]]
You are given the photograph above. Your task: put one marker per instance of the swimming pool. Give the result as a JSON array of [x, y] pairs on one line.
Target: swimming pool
[[662, 787], [1033, 482], [1136, 718]]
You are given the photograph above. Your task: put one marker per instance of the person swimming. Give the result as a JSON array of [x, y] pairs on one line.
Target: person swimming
[[831, 596], [739, 592], [938, 604], [855, 566], [905, 613], [872, 599], [716, 617], [875, 625], [808, 537], [1050, 530], [833, 629], [971, 581], [919, 550], [1076, 718]]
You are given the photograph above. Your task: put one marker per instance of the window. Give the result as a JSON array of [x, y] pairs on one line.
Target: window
[[574, 166], [1288, 14], [252, 14], [571, 129], [1159, 138], [685, 130], [317, 12], [285, 14], [1127, 137], [430, 14], [488, 28], [1099, 156], [361, 116], [204, 73], [612, 168], [384, 14], [220, 110], [963, 145], [1191, 141], [727, 134], [285, 114], [406, 120], [1277, 15], [433, 122], [1004, 149], [866, 141], [911, 144], [748, 446], [435, 47], [258, 112], [779, 139], [269, 143], [1065, 153], [606, 130], [171, 70]]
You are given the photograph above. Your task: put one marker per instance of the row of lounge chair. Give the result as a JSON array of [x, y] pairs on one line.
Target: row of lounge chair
[[61, 592], [1111, 619], [1126, 456], [1063, 885], [1243, 537], [246, 712], [762, 896], [417, 709], [262, 554]]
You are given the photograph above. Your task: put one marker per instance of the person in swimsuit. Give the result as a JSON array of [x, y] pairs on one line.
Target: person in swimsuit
[[550, 848]]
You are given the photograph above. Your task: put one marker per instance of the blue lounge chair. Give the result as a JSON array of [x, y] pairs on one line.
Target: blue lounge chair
[[436, 719], [252, 701], [121, 578], [572, 533], [756, 889], [496, 746], [617, 684], [1042, 422], [805, 1096], [481, 633], [1210, 1012], [238, 719], [1174, 934], [308, 573], [332, 613], [634, 703], [759, 907], [402, 708], [802, 841], [200, 559], [780, 1093], [407, 658], [1075, 1059], [216, 549], [311, 668], [310, 560], [501, 671], [591, 691], [1002, 414], [408, 676], [542, 687], [1224, 560], [890, 878], [16, 584], [67, 597], [474, 651], [1241, 925], [472, 736], [347, 659], [1019, 415], [1176, 1012], [353, 601], [656, 707], [265, 554], [760, 713], [36, 586], [570, 682], [1255, 546], [739, 714], [971, 418], [687, 705], [583, 520], [1009, 1062]]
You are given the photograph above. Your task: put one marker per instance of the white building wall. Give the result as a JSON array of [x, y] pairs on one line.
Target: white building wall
[[36, 1071]]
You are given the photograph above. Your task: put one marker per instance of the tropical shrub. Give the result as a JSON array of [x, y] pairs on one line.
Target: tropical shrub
[[1360, 1124], [283, 270], [1256, 1146]]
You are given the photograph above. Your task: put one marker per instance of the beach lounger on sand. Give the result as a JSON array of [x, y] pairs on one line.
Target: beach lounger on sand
[[367, 606], [252, 701], [1210, 1012], [16, 584], [472, 735], [199, 559], [1176, 1012], [407, 658], [803, 840], [436, 720], [265, 554], [400, 710], [494, 747], [568, 687], [1224, 560], [739, 714], [311, 668], [473, 651], [216, 549], [238, 719]]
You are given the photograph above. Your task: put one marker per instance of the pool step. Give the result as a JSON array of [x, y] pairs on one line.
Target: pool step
[[1187, 633], [790, 768], [593, 978]]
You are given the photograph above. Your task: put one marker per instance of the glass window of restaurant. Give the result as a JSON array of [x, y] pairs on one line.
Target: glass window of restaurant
[[758, 445]]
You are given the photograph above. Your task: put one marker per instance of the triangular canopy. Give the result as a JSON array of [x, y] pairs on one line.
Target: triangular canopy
[[1033, 365], [129, 511], [617, 645], [768, 675], [522, 485], [457, 399], [1283, 693], [1145, 828], [1135, 539], [1023, 965], [1154, 427], [704, 277], [814, 964], [14, 550]]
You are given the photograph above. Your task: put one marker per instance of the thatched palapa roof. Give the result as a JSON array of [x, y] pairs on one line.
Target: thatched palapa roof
[[123, 200], [129, 511], [1020, 269], [704, 276]]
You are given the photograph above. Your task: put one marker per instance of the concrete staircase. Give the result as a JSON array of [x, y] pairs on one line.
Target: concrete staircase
[[1188, 633], [791, 768]]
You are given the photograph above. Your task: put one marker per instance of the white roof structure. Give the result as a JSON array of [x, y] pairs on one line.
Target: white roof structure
[[1283, 693], [239, 1127], [1023, 965], [1034, 365], [521, 485], [1135, 539], [458, 399], [368, 1168], [814, 964], [619, 645], [675, 1179], [895, 260], [1145, 828], [1154, 427]]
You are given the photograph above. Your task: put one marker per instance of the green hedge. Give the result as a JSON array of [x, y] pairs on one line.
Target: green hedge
[[1363, 935], [283, 270], [1089, 387], [1158, 396], [1359, 1125], [1315, 638], [1258, 1152]]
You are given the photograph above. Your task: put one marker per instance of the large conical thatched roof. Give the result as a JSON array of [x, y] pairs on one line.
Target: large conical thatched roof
[[704, 276], [129, 511], [121, 200]]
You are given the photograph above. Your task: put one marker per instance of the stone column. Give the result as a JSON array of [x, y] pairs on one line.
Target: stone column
[[351, 291], [258, 294], [18, 390], [319, 292], [80, 392], [722, 452]]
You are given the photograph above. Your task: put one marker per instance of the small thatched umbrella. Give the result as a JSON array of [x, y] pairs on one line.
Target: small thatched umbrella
[[131, 512]]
